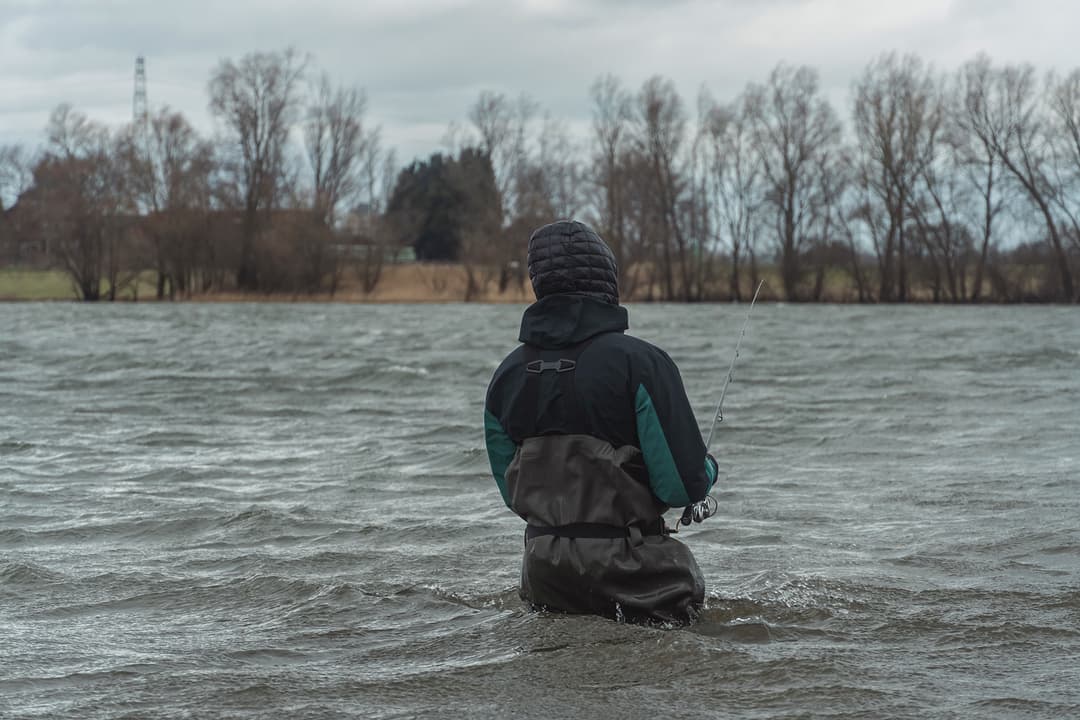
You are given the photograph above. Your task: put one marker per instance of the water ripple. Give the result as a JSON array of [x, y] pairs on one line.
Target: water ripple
[[219, 510]]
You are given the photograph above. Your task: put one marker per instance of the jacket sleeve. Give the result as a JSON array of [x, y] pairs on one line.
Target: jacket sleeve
[[679, 471], [501, 448], [500, 452]]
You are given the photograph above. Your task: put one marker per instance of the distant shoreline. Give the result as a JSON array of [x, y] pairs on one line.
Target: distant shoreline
[[420, 284]]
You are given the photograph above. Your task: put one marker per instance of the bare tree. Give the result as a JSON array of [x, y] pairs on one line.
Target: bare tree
[[257, 99], [853, 207], [71, 133], [171, 169], [502, 126], [82, 202], [939, 195], [793, 128], [1064, 101], [560, 169], [735, 176], [612, 109], [660, 130], [1014, 120], [546, 188], [826, 212], [973, 150], [894, 107], [336, 142], [937, 209], [378, 169], [646, 230], [338, 147]]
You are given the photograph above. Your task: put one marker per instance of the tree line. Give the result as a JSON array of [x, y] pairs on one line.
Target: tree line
[[943, 186], [249, 210]]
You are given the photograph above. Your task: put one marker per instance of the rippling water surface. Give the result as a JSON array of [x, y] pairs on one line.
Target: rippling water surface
[[285, 511]]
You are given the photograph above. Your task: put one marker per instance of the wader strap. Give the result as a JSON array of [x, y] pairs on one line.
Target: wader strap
[[596, 530]]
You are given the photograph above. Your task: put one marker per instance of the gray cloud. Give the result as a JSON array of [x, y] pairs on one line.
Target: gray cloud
[[423, 61]]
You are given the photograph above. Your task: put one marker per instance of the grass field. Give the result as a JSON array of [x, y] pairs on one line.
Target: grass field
[[409, 282], [35, 285], [18, 284]]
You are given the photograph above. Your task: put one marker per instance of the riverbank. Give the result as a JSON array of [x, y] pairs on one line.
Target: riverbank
[[404, 283], [399, 283], [425, 283]]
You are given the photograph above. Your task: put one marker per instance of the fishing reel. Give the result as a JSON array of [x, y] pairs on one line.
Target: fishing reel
[[696, 512]]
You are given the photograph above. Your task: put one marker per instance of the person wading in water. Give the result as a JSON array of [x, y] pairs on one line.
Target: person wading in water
[[591, 439]]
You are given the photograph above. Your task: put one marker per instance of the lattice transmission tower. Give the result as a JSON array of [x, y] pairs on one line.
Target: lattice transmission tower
[[139, 110], [140, 118]]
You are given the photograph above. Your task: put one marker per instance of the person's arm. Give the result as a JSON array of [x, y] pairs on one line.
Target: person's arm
[[680, 472], [500, 451]]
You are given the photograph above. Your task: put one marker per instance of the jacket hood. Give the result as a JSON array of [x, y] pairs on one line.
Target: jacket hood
[[569, 257], [567, 319]]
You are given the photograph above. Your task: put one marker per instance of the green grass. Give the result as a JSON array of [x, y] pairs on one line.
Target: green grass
[[35, 285], [56, 285]]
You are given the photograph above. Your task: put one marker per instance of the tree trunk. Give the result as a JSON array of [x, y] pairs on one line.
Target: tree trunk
[[735, 292]]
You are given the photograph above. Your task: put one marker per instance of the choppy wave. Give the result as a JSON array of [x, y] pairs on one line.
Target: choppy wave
[[284, 510]]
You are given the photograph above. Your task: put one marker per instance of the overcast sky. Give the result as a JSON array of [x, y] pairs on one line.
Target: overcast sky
[[423, 61]]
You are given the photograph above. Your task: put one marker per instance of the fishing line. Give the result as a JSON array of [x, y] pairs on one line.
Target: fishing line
[[719, 416], [696, 512]]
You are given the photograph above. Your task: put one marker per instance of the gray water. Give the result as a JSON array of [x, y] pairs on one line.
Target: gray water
[[285, 511]]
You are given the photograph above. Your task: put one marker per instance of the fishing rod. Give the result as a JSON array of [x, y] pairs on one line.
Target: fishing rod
[[719, 416], [696, 512]]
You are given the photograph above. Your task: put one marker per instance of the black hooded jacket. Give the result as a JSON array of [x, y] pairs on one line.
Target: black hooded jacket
[[628, 393]]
